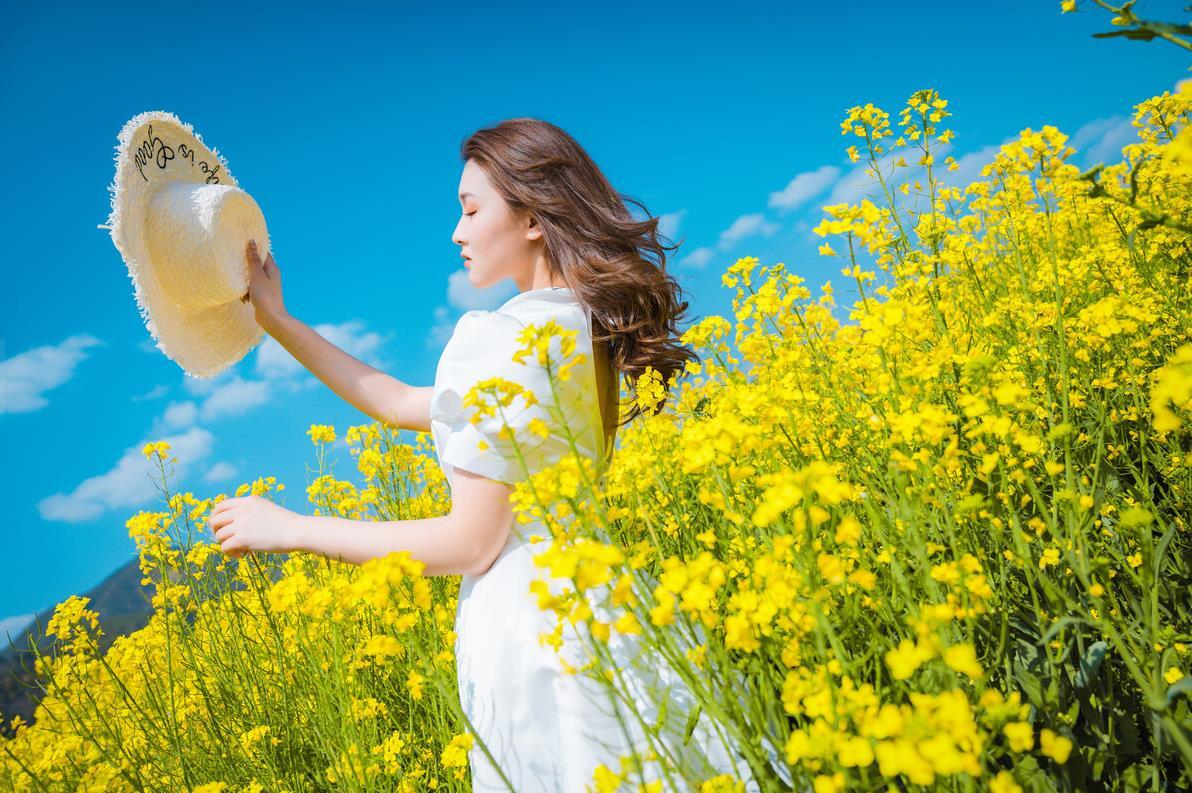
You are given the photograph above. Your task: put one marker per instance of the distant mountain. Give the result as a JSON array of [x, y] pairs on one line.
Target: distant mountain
[[123, 606]]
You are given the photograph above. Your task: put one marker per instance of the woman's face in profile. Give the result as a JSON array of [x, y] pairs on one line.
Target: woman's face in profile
[[497, 244]]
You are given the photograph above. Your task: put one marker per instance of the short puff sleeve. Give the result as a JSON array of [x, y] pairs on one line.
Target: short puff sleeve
[[483, 347]]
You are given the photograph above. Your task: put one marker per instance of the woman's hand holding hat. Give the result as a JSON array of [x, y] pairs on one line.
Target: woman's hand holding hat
[[178, 217], [264, 287]]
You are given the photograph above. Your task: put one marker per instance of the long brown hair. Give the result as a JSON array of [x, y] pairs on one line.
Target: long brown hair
[[615, 265]]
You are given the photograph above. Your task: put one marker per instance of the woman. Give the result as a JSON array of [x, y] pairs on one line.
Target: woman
[[537, 210]]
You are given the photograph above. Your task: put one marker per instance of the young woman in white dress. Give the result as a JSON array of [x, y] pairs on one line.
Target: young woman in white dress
[[534, 209]]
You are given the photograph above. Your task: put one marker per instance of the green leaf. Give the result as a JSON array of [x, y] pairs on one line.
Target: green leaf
[[1161, 549], [660, 723], [1090, 662], [1136, 778], [1032, 778], [1181, 686], [1125, 732], [1132, 33], [692, 720], [1029, 684]]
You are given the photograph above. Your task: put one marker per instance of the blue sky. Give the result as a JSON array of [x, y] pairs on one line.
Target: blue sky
[[345, 127]]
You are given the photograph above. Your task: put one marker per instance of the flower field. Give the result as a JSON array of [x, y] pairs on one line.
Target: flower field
[[944, 544]]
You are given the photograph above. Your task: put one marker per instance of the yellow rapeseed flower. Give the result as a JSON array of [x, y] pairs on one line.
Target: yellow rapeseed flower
[[321, 433], [963, 658], [1055, 746], [1021, 736]]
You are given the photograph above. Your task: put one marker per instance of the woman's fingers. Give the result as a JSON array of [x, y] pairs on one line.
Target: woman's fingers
[[222, 519], [254, 261], [254, 258]]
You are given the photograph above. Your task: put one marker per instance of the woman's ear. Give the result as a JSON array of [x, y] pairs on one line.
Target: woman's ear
[[534, 232]]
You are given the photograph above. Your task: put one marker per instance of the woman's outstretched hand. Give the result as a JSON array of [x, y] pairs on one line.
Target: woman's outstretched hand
[[253, 523], [264, 287]]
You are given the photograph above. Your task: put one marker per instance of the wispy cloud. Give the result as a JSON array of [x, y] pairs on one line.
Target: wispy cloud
[[158, 390], [698, 258], [220, 472], [443, 327], [800, 189], [668, 224], [181, 422], [11, 626], [230, 395], [234, 398], [129, 483], [463, 297], [25, 378], [177, 414], [1101, 140], [277, 373], [833, 184], [857, 183], [968, 166], [804, 187], [745, 226], [274, 362]]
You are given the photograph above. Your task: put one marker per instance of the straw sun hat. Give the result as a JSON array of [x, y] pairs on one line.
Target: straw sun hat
[[182, 225]]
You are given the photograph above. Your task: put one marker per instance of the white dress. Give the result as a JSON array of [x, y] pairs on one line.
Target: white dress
[[547, 729]]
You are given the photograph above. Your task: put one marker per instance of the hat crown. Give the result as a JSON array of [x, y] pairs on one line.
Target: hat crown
[[197, 234]]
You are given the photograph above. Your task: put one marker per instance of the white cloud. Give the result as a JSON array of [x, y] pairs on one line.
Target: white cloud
[[129, 483], [179, 414], [803, 188], [234, 398], [463, 297], [857, 184], [746, 226], [698, 258], [274, 362], [1101, 140], [441, 330], [668, 224], [220, 472], [154, 393], [24, 378], [202, 386], [13, 625], [968, 166]]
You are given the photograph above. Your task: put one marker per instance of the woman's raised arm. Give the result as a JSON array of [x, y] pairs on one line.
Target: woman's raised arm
[[378, 395], [371, 391]]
